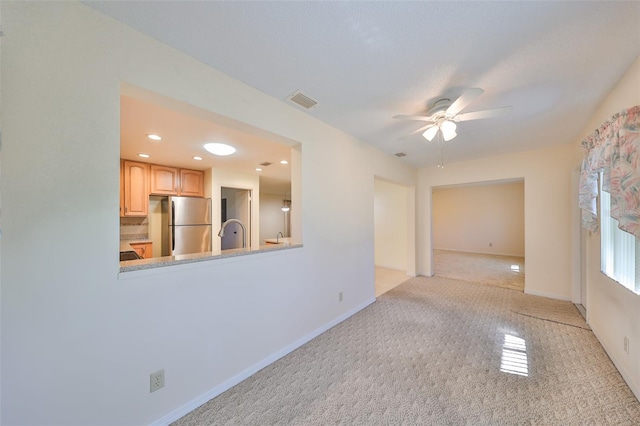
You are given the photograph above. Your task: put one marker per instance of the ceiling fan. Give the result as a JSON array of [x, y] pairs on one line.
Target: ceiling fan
[[444, 115]]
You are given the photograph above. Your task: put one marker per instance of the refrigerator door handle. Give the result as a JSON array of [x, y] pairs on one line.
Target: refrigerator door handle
[[173, 227]]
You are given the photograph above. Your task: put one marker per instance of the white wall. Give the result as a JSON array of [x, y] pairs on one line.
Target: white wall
[[547, 211], [480, 218], [390, 218], [613, 312], [79, 340]]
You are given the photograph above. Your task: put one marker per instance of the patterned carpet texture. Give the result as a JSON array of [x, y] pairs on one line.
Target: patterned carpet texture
[[438, 351]]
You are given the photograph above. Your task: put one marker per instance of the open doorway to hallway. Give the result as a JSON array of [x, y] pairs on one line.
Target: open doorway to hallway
[[478, 233], [393, 239], [236, 204]]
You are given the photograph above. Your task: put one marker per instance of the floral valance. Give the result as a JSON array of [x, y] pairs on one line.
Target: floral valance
[[614, 149]]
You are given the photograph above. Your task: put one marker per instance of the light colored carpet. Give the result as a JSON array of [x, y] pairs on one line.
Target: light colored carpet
[[500, 271], [435, 351]]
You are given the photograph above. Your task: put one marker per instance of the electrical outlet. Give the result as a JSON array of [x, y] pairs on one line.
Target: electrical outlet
[[340, 297], [156, 380], [626, 345]]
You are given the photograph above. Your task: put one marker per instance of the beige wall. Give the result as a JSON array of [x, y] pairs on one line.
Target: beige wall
[[79, 339], [547, 211], [613, 312], [480, 218], [390, 218]]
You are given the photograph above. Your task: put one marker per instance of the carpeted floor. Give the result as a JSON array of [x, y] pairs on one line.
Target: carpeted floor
[[438, 351], [500, 271]]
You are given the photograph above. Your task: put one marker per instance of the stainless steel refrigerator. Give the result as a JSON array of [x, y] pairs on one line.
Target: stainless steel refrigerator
[[186, 224]]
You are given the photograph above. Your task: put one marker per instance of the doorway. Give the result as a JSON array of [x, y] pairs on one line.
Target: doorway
[[478, 233], [235, 204], [394, 239]]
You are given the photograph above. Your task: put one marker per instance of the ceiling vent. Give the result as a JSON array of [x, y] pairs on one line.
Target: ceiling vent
[[265, 164], [400, 154], [302, 100]]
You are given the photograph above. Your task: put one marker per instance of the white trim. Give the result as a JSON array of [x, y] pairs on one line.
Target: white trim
[[481, 252], [231, 382], [394, 268], [623, 372], [549, 295]]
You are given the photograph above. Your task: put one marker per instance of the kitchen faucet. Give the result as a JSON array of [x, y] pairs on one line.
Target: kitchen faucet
[[244, 231], [278, 237]]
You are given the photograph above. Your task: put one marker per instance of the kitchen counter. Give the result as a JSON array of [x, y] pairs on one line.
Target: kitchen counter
[[125, 245], [158, 262], [286, 240]]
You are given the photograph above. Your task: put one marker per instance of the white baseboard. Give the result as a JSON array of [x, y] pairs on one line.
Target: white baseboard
[[394, 268], [231, 382], [481, 252], [549, 295], [635, 387]]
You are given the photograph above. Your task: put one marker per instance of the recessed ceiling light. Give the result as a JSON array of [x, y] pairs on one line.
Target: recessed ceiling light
[[219, 148], [143, 155], [154, 137], [258, 169], [197, 158], [284, 162]]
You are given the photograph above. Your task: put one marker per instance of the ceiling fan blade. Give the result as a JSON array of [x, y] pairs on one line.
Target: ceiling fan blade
[[487, 113], [465, 99], [420, 130], [413, 117]]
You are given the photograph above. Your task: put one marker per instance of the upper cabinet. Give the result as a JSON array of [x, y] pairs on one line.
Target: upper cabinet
[[191, 183], [172, 181], [135, 189], [164, 180]]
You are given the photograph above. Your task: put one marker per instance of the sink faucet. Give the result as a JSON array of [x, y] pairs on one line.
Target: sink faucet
[[244, 231], [278, 237]]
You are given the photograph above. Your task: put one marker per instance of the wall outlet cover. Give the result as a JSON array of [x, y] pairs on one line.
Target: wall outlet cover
[[156, 380]]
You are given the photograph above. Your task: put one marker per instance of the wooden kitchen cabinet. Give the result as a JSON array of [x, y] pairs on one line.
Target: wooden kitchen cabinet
[[121, 189], [135, 187], [191, 183], [164, 180], [144, 250]]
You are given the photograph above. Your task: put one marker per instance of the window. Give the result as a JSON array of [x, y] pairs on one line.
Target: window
[[620, 251]]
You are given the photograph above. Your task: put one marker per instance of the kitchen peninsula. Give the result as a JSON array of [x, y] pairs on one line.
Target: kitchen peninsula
[[158, 262]]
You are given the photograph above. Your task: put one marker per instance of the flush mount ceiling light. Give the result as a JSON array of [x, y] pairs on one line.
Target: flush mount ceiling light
[[258, 169], [284, 162], [220, 149], [154, 137], [144, 155]]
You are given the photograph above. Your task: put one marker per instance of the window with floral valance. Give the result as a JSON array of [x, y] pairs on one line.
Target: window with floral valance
[[614, 150]]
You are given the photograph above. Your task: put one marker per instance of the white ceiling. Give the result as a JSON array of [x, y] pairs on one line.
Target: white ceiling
[[364, 62]]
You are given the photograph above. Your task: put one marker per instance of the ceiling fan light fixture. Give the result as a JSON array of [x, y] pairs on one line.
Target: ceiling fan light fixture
[[430, 133], [448, 129], [448, 136]]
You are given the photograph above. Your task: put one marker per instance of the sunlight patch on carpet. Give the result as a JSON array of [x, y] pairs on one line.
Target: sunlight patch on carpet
[[514, 356]]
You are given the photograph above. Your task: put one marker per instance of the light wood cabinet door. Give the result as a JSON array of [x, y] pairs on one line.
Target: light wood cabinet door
[[144, 250], [191, 183], [121, 189], [164, 180], [136, 189]]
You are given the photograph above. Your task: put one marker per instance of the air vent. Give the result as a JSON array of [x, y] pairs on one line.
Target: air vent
[[302, 100], [265, 164], [400, 154]]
